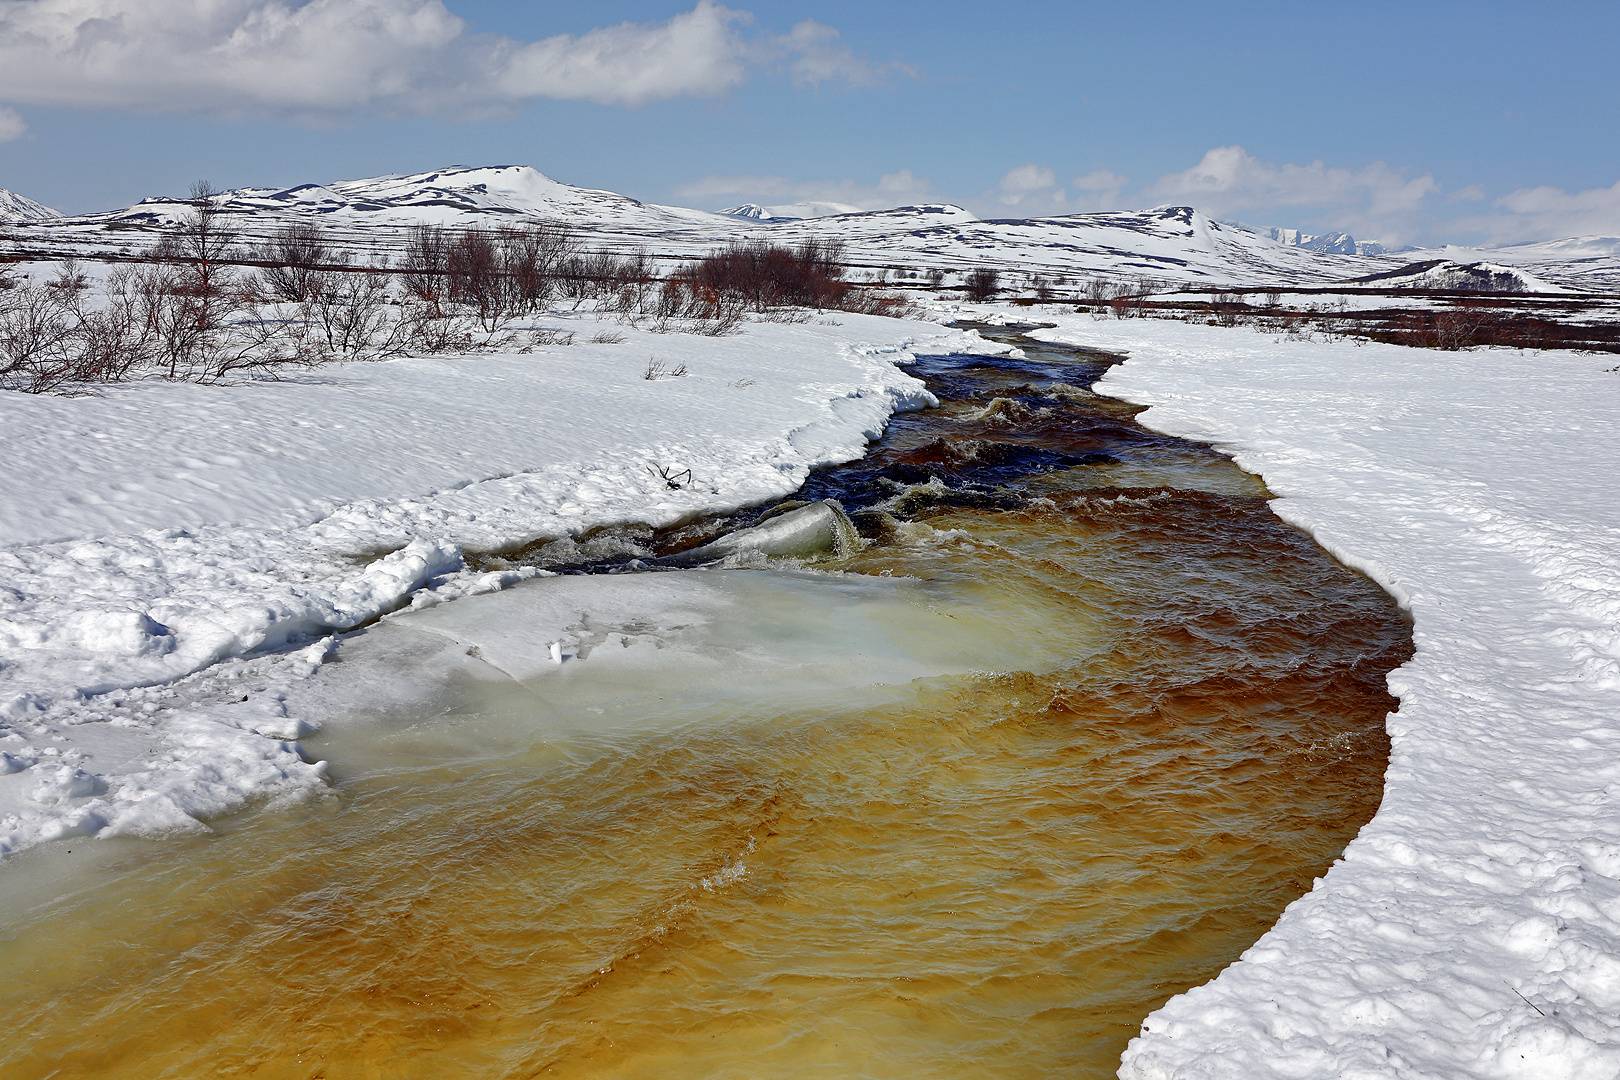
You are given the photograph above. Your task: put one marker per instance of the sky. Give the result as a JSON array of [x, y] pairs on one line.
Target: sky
[[1406, 123]]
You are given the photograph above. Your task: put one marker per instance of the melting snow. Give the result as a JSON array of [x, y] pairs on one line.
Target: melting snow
[[175, 556], [1472, 929]]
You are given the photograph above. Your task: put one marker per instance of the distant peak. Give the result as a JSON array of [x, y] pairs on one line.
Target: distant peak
[[751, 211], [14, 207]]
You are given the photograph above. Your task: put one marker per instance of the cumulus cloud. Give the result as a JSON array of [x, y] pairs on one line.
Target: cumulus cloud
[[1547, 213], [1028, 183], [1229, 181], [697, 54], [284, 58], [1099, 189], [11, 125], [1035, 191], [891, 189], [817, 54]]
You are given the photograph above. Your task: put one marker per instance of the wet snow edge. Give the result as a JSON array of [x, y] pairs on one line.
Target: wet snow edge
[[1472, 929]]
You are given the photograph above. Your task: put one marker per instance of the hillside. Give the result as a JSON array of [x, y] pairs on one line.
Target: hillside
[[1178, 244]]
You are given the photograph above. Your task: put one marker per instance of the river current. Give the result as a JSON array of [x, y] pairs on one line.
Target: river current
[[1057, 737]]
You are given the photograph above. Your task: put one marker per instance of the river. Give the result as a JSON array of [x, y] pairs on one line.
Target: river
[[1059, 737]]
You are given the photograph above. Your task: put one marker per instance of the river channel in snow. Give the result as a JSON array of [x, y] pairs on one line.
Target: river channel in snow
[[1053, 728]]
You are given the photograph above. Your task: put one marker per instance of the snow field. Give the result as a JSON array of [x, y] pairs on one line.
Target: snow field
[[1472, 929], [175, 557]]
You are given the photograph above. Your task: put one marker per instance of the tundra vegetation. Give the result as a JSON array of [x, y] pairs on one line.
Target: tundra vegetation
[[204, 305], [1441, 319]]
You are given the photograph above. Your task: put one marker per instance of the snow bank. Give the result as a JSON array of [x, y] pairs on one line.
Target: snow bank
[[1472, 929], [167, 551]]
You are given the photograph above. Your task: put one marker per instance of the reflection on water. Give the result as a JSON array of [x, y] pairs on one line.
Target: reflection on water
[[1168, 718]]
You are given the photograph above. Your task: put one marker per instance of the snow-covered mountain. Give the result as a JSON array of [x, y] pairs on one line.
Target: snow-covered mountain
[[369, 217], [1333, 243], [448, 196], [14, 207], [1455, 276], [790, 211]]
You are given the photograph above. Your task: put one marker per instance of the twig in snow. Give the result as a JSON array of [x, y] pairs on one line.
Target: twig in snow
[[1522, 998], [670, 476]]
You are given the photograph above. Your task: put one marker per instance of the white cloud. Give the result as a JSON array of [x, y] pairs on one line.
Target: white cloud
[[892, 189], [820, 56], [12, 125], [1547, 213], [696, 54], [315, 58], [1228, 179], [1098, 189], [1372, 200], [1028, 182]]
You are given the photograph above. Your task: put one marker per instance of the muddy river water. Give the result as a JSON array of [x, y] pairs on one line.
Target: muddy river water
[[1057, 736]]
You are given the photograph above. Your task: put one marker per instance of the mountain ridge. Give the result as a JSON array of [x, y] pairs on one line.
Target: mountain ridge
[[370, 217]]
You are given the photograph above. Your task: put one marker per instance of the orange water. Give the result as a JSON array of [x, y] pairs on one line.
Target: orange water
[[996, 873]]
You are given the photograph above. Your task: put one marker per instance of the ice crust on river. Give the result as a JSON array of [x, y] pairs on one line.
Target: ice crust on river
[[1472, 929], [175, 557]]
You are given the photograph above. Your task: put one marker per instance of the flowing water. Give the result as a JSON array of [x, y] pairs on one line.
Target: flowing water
[[970, 798]]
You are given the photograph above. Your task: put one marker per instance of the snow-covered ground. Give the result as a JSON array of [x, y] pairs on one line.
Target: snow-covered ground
[[166, 548], [1473, 927], [161, 542]]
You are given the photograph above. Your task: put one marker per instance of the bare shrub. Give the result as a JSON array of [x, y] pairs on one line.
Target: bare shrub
[[298, 255], [530, 258], [497, 274], [765, 276], [35, 332], [625, 286], [425, 329], [787, 315], [351, 311], [1230, 310], [115, 339], [868, 301], [424, 267], [607, 337], [201, 248], [982, 284], [1453, 330], [473, 266], [1099, 290], [695, 307], [658, 369]]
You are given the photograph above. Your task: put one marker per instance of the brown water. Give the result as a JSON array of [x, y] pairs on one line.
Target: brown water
[[988, 873]]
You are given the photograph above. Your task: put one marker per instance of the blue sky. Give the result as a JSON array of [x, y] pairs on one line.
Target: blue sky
[[1410, 123]]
